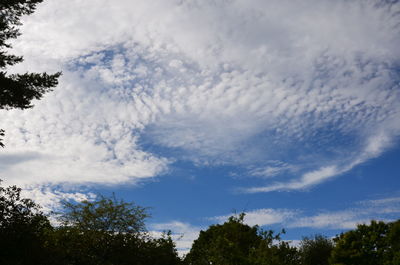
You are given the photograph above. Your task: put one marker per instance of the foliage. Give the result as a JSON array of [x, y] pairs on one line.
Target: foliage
[[106, 231], [229, 243], [18, 90], [374, 244], [109, 231], [24, 229], [104, 214], [316, 250], [275, 253], [1, 139], [162, 251], [236, 243]]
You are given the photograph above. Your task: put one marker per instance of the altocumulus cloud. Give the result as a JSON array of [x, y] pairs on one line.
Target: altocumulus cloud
[[227, 82]]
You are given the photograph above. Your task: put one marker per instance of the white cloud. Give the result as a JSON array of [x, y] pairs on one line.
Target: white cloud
[[337, 220], [76, 135], [183, 234], [382, 209], [385, 201], [307, 180], [374, 146], [237, 82], [272, 168], [50, 199], [263, 217], [385, 209]]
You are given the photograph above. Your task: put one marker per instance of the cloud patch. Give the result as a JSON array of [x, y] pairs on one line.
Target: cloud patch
[[235, 82], [384, 209], [183, 234]]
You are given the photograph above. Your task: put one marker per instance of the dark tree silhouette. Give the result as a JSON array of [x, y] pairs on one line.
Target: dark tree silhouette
[[105, 231], [1, 137], [236, 243], [109, 231], [106, 215], [23, 229], [316, 250], [18, 90]]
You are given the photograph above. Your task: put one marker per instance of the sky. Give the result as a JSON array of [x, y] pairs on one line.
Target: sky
[[286, 110]]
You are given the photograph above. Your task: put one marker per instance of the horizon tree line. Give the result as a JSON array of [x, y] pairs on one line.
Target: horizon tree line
[[110, 231]]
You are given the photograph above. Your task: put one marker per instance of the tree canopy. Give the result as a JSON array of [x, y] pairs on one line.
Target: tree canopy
[[105, 231], [234, 242], [316, 250], [108, 231], [375, 244], [23, 229], [104, 214], [18, 90]]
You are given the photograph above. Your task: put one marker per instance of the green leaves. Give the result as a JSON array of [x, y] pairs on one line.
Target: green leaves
[[374, 244], [110, 231], [18, 90], [316, 250], [236, 243], [23, 229], [106, 215], [106, 231], [10, 17]]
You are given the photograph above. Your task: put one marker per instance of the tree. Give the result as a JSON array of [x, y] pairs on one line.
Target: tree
[[109, 231], [316, 250], [1, 139], [393, 239], [161, 251], [106, 215], [236, 243], [274, 252], [374, 244], [105, 231], [91, 232], [18, 90], [24, 229], [229, 243]]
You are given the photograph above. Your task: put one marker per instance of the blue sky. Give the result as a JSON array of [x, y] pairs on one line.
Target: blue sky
[[287, 110]]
